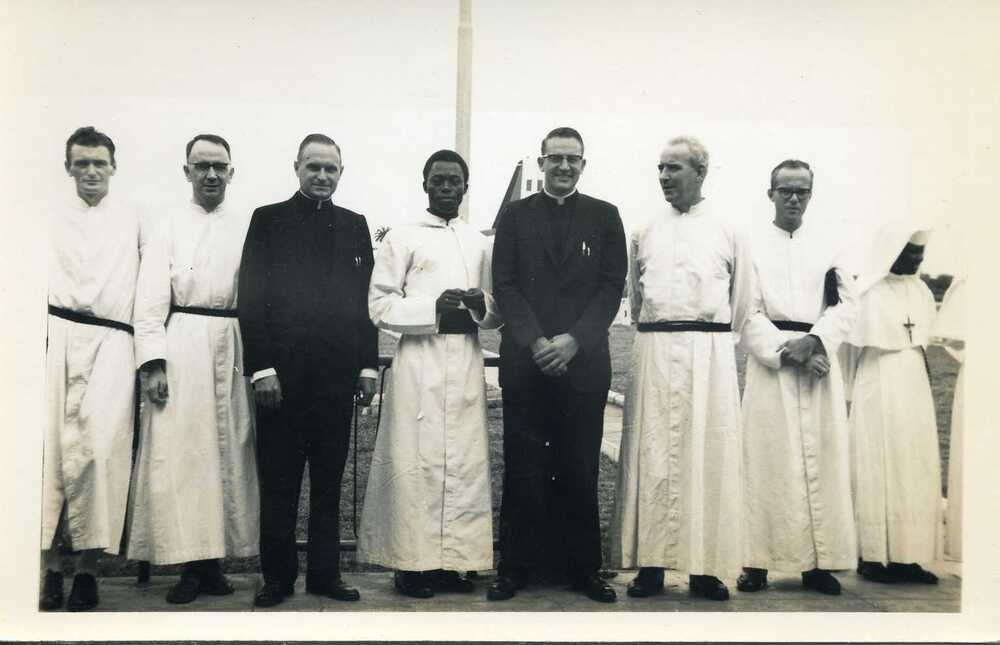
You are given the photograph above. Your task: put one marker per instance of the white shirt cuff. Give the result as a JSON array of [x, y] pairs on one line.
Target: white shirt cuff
[[259, 374], [368, 373]]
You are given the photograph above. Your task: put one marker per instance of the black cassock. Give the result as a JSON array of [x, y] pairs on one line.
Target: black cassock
[[303, 310], [556, 269]]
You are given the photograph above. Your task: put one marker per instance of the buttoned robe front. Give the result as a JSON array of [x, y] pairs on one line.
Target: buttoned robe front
[[427, 505], [90, 374], [195, 481], [896, 463], [797, 503], [679, 496]]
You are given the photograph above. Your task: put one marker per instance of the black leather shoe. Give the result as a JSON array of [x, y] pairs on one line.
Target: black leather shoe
[[271, 594], [83, 595], [822, 581], [185, 591], [876, 572], [413, 584], [52, 591], [707, 587], [595, 588], [753, 580], [648, 582], [912, 573], [338, 590], [214, 582], [503, 588], [451, 581]]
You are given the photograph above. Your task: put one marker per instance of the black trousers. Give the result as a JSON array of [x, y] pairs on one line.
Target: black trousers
[[313, 424], [549, 517]]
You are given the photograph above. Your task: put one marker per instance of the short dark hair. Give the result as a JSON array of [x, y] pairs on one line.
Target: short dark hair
[[790, 164], [90, 137], [563, 133], [315, 137], [446, 155], [211, 138]]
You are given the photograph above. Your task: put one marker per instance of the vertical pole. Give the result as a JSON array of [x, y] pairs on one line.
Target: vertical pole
[[463, 97]]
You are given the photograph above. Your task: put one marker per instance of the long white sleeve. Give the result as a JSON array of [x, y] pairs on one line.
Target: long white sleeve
[[388, 305], [152, 296]]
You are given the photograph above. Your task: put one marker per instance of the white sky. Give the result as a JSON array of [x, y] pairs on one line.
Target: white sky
[[894, 103], [886, 116]]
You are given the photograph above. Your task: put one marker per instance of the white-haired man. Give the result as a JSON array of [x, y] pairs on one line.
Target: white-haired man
[[680, 478]]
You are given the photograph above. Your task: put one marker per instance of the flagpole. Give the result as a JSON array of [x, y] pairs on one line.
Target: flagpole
[[463, 97]]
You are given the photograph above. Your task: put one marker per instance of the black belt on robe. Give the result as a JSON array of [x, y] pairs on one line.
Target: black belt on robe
[[685, 325], [204, 311], [792, 325], [457, 321], [89, 319]]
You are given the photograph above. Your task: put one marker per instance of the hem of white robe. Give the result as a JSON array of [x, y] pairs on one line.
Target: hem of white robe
[[793, 566], [673, 565], [190, 556], [425, 565], [110, 549]]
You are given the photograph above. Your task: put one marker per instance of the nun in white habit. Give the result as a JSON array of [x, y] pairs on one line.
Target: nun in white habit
[[896, 466]]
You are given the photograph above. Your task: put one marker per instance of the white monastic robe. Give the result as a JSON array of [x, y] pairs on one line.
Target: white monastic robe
[[90, 374], [427, 505], [949, 330], [679, 496], [798, 510], [896, 465], [195, 482]]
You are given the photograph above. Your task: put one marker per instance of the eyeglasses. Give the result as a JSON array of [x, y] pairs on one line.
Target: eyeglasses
[[205, 166], [556, 160], [786, 193]]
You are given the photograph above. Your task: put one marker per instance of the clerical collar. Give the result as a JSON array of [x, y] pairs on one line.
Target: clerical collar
[[561, 201], [316, 204]]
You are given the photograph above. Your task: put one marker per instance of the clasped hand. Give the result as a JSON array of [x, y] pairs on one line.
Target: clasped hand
[[452, 299], [806, 353], [156, 387], [552, 356]]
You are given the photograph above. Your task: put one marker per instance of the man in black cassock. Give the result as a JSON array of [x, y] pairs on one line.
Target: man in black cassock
[[310, 349], [559, 265]]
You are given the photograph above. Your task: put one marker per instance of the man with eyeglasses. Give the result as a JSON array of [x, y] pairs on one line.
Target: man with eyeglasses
[[798, 511], [89, 371], [311, 350], [679, 490], [427, 511], [559, 266], [195, 494]]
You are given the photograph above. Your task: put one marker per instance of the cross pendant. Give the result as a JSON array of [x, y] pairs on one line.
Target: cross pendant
[[909, 327]]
